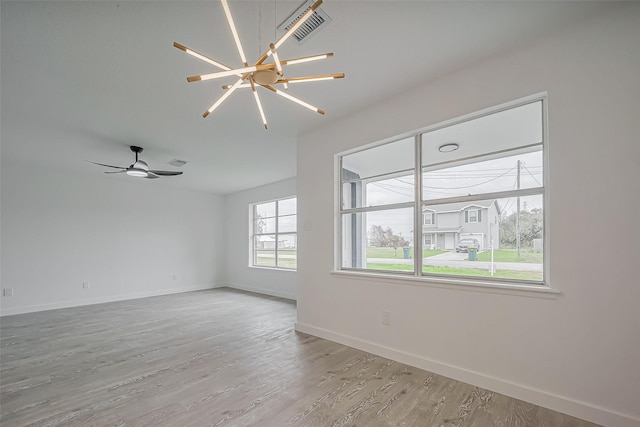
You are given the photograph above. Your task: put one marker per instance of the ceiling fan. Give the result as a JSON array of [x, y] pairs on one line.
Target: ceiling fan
[[139, 168], [261, 73]]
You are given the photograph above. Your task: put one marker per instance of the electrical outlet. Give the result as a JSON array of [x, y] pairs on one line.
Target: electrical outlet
[[7, 292], [385, 317], [85, 284]]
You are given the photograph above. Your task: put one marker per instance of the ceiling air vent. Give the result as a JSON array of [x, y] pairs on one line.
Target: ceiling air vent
[[318, 20], [177, 163]]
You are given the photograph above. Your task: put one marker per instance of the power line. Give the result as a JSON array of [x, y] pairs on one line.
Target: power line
[[392, 190], [534, 178], [473, 185]]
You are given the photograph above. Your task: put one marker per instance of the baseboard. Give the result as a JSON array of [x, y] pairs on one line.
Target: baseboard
[[263, 291], [102, 300], [542, 398]]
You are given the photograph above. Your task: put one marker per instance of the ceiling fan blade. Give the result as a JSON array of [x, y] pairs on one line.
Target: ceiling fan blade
[[151, 175], [122, 171], [227, 12], [201, 56], [165, 173], [294, 99], [102, 164], [312, 78]]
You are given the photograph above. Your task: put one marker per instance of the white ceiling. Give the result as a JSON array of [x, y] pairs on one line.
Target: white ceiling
[[84, 80]]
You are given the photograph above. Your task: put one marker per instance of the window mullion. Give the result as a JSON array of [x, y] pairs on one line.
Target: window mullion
[[486, 196], [276, 236], [417, 212], [378, 208], [338, 221]]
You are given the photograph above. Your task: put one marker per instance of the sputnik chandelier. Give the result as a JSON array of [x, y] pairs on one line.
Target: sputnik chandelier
[[261, 73]]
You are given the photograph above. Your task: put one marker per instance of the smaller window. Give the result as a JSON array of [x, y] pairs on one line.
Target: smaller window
[[472, 215], [428, 241], [274, 234], [428, 218]]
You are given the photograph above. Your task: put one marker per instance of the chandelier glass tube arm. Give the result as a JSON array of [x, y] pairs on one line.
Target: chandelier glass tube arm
[[312, 78], [223, 97], [276, 59], [258, 103], [294, 99], [297, 80], [306, 59], [202, 57], [227, 12], [227, 73]]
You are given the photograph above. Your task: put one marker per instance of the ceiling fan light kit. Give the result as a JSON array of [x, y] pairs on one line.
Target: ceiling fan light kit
[[260, 73], [137, 172], [139, 169]]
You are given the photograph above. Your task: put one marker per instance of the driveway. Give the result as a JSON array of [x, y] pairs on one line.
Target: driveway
[[449, 256]]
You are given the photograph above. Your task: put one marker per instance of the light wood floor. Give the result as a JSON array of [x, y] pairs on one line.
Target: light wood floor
[[221, 358]]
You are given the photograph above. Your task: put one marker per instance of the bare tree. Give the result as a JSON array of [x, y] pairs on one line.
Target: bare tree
[[379, 236]]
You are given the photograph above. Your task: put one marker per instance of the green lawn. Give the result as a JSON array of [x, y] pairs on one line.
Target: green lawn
[[475, 272], [511, 255], [383, 252], [266, 258], [499, 255]]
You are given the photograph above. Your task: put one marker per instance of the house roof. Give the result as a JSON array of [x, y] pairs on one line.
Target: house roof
[[441, 230], [460, 206]]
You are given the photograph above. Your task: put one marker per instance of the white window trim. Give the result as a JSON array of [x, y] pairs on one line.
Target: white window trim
[[469, 216], [253, 234], [431, 215], [535, 291], [456, 282]]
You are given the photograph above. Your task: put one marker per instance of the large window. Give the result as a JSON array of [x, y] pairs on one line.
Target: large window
[[482, 177], [274, 237]]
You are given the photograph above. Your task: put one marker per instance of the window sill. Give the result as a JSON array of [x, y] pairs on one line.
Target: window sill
[[260, 267], [455, 283]]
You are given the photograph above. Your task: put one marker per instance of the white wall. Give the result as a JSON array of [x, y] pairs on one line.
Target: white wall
[[578, 352], [268, 281], [127, 237]]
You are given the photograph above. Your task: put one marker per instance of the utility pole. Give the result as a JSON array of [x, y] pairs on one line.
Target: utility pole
[[518, 212]]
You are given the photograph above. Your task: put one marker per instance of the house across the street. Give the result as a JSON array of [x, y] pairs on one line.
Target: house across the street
[[445, 225]]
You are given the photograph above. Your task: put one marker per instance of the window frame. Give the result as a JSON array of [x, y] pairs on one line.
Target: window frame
[[253, 234], [430, 214], [467, 216], [419, 205], [424, 238]]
